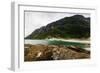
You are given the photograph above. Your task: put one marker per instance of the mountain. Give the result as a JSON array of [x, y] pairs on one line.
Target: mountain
[[76, 26]]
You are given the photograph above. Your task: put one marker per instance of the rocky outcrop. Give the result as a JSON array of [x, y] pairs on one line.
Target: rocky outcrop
[[53, 52]]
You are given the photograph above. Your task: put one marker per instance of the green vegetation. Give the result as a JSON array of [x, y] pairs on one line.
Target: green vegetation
[[76, 26]]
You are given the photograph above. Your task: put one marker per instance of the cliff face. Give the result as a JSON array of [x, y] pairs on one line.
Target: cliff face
[[76, 26]]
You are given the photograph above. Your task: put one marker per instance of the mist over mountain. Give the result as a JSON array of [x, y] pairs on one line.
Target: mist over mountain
[[76, 26]]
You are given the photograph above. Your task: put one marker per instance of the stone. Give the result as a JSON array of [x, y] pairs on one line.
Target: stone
[[53, 52]]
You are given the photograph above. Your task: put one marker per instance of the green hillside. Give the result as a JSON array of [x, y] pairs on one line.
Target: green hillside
[[76, 26]]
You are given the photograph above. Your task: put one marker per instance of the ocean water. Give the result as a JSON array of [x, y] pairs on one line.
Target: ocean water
[[33, 42], [56, 42]]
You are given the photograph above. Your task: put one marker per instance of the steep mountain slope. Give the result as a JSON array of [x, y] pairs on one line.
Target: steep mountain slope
[[76, 26]]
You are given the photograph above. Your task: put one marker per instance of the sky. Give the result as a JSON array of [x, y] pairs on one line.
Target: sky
[[34, 20]]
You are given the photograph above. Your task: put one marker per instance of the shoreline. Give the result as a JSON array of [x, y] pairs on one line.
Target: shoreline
[[71, 40], [45, 41], [66, 40]]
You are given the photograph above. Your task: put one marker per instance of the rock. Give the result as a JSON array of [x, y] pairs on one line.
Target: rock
[[53, 52], [78, 49]]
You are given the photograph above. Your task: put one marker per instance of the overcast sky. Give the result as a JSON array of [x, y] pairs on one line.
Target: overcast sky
[[34, 20]]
